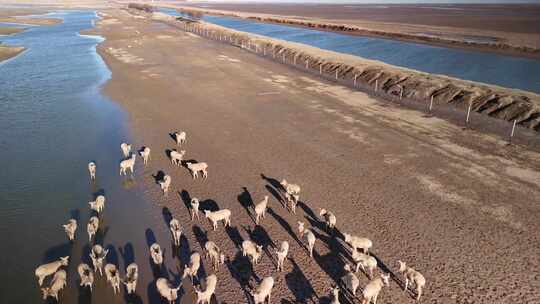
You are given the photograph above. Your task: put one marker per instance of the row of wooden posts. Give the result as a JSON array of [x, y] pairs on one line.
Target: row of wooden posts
[[202, 31]]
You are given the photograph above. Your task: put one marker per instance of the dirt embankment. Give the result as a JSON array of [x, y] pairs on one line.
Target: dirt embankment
[[497, 46], [498, 102]]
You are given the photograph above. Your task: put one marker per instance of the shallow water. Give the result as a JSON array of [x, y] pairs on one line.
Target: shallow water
[[53, 121], [506, 71]]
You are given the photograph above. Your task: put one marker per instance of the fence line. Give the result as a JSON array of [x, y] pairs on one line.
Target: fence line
[[513, 133]]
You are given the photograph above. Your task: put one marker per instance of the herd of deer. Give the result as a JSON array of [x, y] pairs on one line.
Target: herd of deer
[[291, 192]]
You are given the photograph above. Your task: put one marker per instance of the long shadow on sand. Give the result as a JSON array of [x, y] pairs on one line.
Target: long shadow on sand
[[128, 256], [259, 235], [299, 285], [158, 271], [276, 195], [235, 236], [186, 199], [285, 225], [246, 201], [200, 235], [242, 271]]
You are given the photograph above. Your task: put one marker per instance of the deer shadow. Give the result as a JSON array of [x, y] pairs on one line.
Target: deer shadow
[[173, 137], [186, 199], [98, 192], [52, 254], [307, 210], [133, 298], [167, 216], [112, 256], [127, 253], [157, 270], [168, 153], [242, 271], [84, 295], [85, 254], [246, 201], [273, 182], [200, 235], [101, 233], [158, 177], [276, 195], [188, 161], [208, 204], [330, 238], [285, 225], [299, 285], [152, 293], [184, 250], [76, 215], [235, 236], [261, 237]]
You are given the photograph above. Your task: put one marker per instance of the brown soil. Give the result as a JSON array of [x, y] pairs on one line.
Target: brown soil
[[457, 205], [504, 29]]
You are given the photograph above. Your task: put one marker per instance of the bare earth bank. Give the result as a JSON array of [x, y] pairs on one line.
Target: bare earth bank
[[458, 206]]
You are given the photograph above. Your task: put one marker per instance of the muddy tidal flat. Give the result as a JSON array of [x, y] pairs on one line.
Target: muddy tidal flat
[[455, 204], [414, 184]]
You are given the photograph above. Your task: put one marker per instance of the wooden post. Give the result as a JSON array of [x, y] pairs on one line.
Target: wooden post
[[401, 93], [376, 84], [264, 50], [283, 56], [431, 104], [320, 68], [513, 129], [468, 114], [337, 74], [355, 76], [307, 63]]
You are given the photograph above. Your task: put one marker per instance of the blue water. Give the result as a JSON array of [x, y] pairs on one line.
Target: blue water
[[506, 71], [53, 121]]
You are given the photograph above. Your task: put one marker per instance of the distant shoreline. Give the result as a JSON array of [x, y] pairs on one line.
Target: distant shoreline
[[10, 30], [31, 21], [19, 18], [462, 36]]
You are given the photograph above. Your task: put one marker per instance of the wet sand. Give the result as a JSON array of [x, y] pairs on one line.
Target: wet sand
[[9, 30], [456, 205], [511, 27], [32, 21], [7, 52]]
